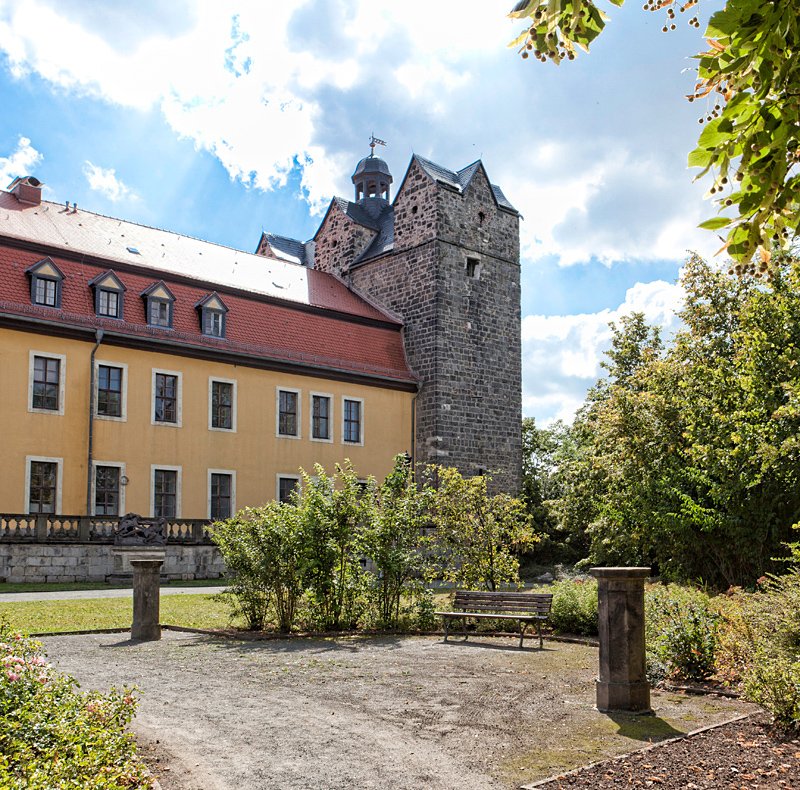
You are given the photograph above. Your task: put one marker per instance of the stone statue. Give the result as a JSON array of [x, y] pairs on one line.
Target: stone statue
[[133, 530]]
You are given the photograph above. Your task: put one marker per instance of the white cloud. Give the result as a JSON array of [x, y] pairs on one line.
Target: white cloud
[[561, 354], [21, 162], [104, 180]]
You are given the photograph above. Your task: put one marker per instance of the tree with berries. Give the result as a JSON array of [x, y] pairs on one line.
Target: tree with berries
[[750, 78]]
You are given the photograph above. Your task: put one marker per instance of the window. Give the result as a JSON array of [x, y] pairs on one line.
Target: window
[[107, 490], [158, 313], [287, 485], [46, 279], [288, 413], [108, 294], [352, 421], [220, 493], [165, 492], [166, 398], [212, 315], [43, 486], [109, 391], [46, 393], [473, 268], [158, 305], [222, 405], [321, 417]]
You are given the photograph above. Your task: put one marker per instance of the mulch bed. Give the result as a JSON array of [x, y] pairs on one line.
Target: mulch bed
[[745, 755]]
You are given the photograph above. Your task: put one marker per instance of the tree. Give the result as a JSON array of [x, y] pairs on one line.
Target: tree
[[750, 142], [478, 537]]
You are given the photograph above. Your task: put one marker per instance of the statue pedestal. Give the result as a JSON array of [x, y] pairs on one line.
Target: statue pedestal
[[122, 556], [622, 682], [146, 599]]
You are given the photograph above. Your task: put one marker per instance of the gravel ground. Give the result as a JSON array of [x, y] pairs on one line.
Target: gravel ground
[[399, 712]]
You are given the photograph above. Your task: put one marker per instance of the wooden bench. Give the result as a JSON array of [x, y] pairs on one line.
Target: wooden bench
[[521, 606]]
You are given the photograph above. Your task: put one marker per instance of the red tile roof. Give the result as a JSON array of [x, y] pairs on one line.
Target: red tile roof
[[333, 330]]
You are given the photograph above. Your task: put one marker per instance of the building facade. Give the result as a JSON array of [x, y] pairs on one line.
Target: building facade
[[153, 373]]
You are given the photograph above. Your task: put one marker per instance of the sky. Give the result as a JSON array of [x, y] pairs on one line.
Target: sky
[[223, 119]]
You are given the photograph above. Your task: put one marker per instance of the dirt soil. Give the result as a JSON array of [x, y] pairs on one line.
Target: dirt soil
[[745, 755], [369, 712]]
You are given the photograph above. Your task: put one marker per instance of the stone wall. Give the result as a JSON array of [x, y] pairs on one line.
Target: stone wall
[[462, 333], [92, 562], [339, 241]]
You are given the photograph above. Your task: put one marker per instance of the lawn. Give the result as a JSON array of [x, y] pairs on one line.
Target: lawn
[[36, 617]]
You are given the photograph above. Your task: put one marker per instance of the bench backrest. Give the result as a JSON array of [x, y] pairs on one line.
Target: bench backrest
[[532, 603]]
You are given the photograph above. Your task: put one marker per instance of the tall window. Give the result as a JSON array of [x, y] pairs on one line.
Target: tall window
[[287, 413], [43, 487], [352, 421], [46, 383], [109, 391], [286, 487], [108, 303], [106, 491], [165, 493], [166, 398], [222, 405], [221, 486], [320, 417]]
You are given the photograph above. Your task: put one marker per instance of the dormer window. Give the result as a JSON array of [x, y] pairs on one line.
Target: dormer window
[[46, 279], [108, 295], [159, 303], [212, 315]]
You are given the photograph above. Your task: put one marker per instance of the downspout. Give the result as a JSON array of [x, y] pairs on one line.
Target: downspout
[[90, 455], [414, 434]]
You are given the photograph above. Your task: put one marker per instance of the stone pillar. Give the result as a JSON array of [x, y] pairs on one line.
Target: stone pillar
[[146, 576], [622, 682]]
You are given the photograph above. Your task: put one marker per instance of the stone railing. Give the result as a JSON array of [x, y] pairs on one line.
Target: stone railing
[[40, 528]]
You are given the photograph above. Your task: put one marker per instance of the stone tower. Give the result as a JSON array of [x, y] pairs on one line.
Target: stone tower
[[444, 257]]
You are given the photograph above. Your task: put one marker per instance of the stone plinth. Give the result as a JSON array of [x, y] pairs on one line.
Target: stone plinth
[[622, 683], [146, 594]]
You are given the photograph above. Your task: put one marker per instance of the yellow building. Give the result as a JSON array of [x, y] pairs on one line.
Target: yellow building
[[148, 372]]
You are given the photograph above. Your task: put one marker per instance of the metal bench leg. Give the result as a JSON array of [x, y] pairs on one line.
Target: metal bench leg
[[521, 633], [446, 627], [541, 643], [465, 628]]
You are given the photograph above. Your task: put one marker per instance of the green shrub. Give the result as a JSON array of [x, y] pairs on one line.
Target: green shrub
[[773, 681], [574, 607], [51, 736], [682, 633]]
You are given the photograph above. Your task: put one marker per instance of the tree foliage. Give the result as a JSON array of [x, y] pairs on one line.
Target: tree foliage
[[689, 457], [749, 78]]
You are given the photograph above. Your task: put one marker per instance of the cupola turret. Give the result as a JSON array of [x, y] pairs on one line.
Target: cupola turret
[[372, 179]]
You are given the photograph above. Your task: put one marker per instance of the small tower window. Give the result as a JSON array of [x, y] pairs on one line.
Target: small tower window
[[473, 268]]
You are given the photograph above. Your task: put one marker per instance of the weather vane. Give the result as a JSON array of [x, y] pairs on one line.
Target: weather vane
[[373, 141]]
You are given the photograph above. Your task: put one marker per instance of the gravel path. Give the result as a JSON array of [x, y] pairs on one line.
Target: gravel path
[[399, 712]]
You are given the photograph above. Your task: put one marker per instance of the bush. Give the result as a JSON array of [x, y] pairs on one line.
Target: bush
[[574, 607], [682, 633], [773, 681], [52, 736]]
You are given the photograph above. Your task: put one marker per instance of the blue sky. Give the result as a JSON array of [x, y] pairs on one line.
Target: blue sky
[[222, 119]]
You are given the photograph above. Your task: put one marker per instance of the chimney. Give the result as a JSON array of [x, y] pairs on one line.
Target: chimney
[[27, 190]]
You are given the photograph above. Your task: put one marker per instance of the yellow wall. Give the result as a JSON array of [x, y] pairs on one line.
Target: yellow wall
[[253, 451]]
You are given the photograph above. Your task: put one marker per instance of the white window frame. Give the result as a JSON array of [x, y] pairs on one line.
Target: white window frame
[[178, 411], [62, 377], [278, 478], [59, 481], [232, 473], [121, 466], [360, 442], [331, 423], [123, 395], [178, 487], [299, 393], [211, 380]]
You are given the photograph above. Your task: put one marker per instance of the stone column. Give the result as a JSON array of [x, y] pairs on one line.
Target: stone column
[[146, 576], [622, 682]]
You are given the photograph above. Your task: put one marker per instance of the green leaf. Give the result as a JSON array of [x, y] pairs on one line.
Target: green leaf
[[715, 223], [700, 157]]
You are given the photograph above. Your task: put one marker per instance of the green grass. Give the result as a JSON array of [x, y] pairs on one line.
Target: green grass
[[189, 611], [7, 587]]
